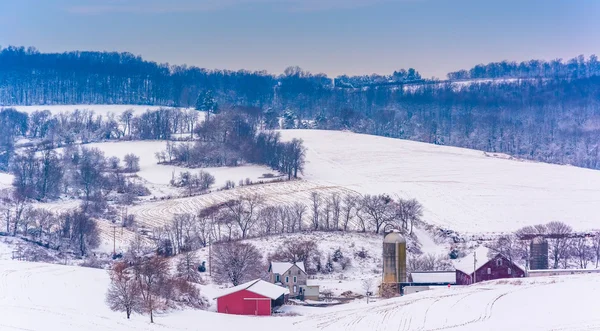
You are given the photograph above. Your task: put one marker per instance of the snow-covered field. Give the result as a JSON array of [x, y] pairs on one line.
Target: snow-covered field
[[461, 189], [158, 176], [37, 296]]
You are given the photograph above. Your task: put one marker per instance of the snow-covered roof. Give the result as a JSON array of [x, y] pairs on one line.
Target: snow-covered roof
[[468, 265], [434, 277], [283, 267], [260, 287]]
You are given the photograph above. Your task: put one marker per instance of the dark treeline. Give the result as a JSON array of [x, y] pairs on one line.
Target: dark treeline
[[551, 116], [574, 68]]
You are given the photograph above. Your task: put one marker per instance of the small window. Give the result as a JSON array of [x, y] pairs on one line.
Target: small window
[[287, 279], [489, 271], [498, 262], [509, 271], [295, 289], [277, 278], [294, 279], [298, 272]]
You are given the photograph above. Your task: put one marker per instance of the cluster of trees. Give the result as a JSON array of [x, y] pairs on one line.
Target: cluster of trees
[[197, 182], [73, 231], [249, 216], [84, 126], [397, 78], [566, 248], [574, 68], [233, 138], [44, 174], [145, 283]]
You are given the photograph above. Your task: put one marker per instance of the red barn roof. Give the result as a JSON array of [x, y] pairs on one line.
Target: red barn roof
[[259, 287]]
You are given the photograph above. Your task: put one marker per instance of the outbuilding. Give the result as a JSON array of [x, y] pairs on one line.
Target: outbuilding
[[477, 267], [256, 297]]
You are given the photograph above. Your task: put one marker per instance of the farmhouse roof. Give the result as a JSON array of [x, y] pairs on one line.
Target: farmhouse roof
[[260, 287], [282, 267], [432, 277]]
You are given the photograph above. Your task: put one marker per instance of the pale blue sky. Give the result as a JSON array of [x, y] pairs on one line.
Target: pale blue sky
[[334, 37]]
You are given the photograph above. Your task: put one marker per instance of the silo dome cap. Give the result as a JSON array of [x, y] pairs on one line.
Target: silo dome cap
[[394, 237]]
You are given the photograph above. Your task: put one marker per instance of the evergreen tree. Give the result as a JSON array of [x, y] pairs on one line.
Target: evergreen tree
[[206, 102]]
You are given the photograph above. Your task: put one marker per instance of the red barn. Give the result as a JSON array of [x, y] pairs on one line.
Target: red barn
[[256, 297], [477, 266]]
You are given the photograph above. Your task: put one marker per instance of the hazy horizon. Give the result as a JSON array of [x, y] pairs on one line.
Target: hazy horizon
[[354, 37]]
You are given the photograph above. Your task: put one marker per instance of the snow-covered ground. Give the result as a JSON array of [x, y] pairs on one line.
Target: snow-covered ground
[[5, 180], [460, 189], [38, 296]]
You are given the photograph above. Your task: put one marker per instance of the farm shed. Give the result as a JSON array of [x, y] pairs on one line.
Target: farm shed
[[477, 267], [256, 297]]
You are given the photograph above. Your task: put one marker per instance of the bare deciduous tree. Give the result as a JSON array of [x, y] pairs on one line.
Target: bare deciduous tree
[[152, 273], [236, 263], [378, 209], [123, 293], [244, 211], [559, 247], [316, 208], [187, 267]]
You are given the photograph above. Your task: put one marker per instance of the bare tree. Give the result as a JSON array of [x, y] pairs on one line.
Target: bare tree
[[187, 265], [236, 263], [408, 212], [315, 197], [596, 246], [336, 210], [348, 210], [152, 273], [83, 233], [583, 251], [244, 211], [124, 292], [268, 220], [298, 211], [379, 210], [132, 162], [559, 247]]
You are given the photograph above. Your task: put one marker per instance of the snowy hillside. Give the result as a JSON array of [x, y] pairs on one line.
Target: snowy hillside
[[461, 189], [158, 176], [38, 296]]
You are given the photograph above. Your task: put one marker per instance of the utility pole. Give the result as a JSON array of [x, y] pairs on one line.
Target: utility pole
[[209, 256], [474, 267], [114, 240]]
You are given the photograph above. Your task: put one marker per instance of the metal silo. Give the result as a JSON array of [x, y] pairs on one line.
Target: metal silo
[[394, 258], [539, 254]]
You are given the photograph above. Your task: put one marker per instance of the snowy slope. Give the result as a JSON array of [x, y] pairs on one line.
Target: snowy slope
[[461, 189], [38, 296]]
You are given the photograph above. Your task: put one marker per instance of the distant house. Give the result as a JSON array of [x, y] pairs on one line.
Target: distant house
[[256, 297], [289, 275], [477, 267]]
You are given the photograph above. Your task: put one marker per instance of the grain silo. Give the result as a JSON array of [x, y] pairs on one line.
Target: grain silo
[[539, 254], [394, 258]]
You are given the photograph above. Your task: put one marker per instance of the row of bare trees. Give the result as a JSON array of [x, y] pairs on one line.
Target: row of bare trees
[[566, 248], [252, 216]]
